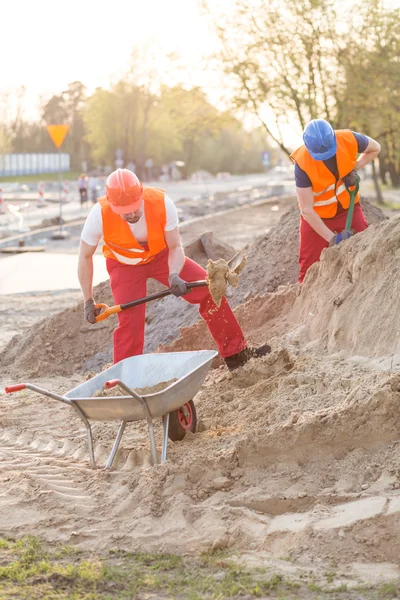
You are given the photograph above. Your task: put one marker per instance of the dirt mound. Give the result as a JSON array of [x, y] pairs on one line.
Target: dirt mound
[[64, 343], [296, 455], [260, 318], [273, 258], [271, 263], [351, 298]]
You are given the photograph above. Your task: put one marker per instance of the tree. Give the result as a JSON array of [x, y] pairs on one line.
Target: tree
[[117, 118], [280, 60], [192, 118], [370, 100]]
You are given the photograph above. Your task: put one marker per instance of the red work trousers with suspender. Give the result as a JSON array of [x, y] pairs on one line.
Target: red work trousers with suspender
[[312, 244], [128, 282]]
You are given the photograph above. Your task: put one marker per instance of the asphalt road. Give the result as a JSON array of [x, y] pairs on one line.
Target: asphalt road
[[23, 212]]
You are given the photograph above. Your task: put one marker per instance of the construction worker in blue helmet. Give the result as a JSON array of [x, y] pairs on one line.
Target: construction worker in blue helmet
[[325, 164]]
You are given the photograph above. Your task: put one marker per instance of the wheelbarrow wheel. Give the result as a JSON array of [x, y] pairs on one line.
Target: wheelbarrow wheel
[[182, 420]]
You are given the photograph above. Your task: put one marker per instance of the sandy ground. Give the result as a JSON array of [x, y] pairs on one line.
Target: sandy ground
[[296, 457]]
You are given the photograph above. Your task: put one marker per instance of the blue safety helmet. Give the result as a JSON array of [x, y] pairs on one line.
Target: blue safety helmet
[[319, 139]]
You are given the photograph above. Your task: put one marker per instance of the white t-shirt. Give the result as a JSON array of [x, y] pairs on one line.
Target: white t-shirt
[[92, 231]]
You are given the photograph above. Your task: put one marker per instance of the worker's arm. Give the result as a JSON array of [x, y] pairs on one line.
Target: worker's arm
[[176, 260], [371, 152], [306, 201], [85, 269], [176, 257]]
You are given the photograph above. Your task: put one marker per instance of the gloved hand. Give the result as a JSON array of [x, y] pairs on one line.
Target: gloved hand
[[339, 237], [351, 178], [178, 286], [90, 311]]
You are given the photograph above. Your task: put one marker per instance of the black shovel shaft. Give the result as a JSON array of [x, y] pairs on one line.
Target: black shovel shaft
[[191, 285]]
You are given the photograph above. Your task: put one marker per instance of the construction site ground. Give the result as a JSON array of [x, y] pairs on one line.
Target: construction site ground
[[290, 488]]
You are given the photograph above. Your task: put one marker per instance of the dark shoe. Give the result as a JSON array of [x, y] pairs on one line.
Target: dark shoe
[[239, 359]]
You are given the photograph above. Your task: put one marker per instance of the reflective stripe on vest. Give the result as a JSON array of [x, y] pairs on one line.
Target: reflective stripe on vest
[[326, 190], [119, 242], [126, 259], [332, 200]]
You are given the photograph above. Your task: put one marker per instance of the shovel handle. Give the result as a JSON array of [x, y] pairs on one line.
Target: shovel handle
[[108, 310], [111, 310], [353, 194]]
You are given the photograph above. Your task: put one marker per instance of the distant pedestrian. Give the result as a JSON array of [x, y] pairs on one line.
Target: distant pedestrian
[[93, 188], [83, 188]]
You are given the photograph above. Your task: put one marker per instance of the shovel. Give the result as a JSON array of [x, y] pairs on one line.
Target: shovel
[[353, 194], [233, 264]]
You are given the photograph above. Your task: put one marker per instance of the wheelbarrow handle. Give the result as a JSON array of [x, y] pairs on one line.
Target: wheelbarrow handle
[[118, 308], [111, 383], [9, 389]]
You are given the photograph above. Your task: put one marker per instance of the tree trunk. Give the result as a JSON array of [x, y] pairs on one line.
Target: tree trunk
[[378, 192], [382, 169]]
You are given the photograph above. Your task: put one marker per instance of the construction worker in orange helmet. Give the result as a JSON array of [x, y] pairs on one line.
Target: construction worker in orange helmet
[[139, 227], [323, 165]]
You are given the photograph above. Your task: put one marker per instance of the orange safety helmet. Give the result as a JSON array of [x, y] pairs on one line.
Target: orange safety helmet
[[124, 191]]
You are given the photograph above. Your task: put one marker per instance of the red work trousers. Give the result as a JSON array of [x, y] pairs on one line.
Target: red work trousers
[[312, 244], [128, 282]]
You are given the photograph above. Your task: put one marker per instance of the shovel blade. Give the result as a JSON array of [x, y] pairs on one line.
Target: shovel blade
[[237, 260]]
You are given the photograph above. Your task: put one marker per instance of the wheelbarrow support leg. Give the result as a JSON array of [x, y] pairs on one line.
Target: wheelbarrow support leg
[[90, 446], [89, 434], [165, 439], [116, 445], [152, 440], [148, 417]]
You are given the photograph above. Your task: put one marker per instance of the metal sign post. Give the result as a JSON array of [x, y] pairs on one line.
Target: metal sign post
[[57, 134]]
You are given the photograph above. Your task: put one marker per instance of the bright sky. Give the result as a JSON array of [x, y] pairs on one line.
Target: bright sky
[[45, 44], [49, 43]]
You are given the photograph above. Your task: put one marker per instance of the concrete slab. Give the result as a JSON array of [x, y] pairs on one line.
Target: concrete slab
[[348, 514], [41, 272], [394, 506], [293, 522]]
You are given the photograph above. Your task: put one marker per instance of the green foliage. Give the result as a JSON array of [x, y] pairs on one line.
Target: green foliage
[[303, 59], [166, 124], [370, 100], [174, 124]]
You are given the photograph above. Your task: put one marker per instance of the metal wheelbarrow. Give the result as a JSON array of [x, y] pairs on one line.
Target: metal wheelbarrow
[[144, 371]]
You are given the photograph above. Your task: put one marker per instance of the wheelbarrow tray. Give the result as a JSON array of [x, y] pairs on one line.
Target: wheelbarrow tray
[[146, 370], [131, 375]]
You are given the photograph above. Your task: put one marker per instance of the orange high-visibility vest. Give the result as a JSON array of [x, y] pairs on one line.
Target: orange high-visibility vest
[[119, 241], [326, 190]]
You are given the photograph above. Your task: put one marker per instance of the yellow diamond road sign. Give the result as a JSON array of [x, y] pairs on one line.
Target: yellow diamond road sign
[[57, 133]]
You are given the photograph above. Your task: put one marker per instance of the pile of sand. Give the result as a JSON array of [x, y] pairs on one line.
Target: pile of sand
[[297, 454], [64, 343], [351, 299], [273, 257], [261, 318]]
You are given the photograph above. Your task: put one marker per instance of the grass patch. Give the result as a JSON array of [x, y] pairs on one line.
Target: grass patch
[[391, 205], [390, 590], [69, 175], [31, 570]]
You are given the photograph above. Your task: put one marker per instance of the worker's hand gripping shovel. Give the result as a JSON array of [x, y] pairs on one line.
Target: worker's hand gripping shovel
[[348, 232], [353, 194], [235, 265]]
